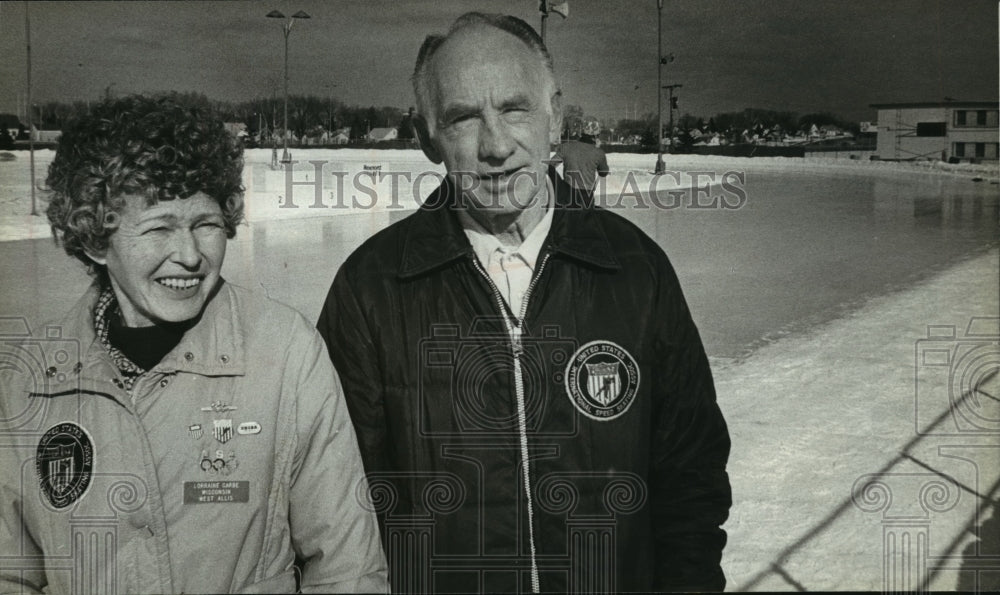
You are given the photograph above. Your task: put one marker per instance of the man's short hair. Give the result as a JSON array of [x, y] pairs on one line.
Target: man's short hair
[[503, 22], [160, 148]]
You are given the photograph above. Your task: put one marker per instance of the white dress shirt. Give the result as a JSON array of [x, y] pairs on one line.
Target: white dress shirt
[[510, 267]]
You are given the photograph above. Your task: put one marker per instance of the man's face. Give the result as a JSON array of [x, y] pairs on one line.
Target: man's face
[[164, 260], [491, 120]]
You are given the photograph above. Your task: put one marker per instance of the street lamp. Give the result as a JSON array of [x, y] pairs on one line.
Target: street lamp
[[329, 107], [670, 106], [286, 28], [659, 169], [31, 133]]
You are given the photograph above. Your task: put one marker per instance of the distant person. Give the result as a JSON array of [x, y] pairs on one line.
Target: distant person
[[582, 163], [185, 435], [406, 127], [534, 405]]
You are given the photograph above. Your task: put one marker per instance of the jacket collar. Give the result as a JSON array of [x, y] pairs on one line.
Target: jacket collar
[[212, 347], [435, 238]]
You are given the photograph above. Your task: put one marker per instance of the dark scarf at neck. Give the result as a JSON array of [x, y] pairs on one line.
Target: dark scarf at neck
[[133, 349]]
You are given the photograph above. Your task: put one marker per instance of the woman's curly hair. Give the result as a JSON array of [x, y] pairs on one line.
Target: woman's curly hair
[[157, 147]]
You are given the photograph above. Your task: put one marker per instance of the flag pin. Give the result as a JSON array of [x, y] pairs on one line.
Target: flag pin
[[222, 429]]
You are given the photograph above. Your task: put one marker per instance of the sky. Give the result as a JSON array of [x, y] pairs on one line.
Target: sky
[[803, 56]]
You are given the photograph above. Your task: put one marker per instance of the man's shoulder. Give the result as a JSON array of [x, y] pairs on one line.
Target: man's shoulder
[[575, 146], [382, 251], [625, 237]]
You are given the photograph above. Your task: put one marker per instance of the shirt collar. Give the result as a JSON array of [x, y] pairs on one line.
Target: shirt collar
[[433, 237], [484, 244], [213, 346]]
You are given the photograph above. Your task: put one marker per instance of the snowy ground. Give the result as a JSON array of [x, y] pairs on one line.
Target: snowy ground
[[865, 451]]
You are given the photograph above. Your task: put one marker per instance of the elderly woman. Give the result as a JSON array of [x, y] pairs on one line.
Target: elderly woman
[[194, 436]]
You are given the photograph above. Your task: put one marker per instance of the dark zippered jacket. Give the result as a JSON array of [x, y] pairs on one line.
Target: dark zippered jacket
[[589, 454]]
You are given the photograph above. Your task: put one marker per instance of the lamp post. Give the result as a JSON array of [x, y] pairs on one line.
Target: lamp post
[[329, 108], [659, 169], [670, 106], [286, 28], [31, 132]]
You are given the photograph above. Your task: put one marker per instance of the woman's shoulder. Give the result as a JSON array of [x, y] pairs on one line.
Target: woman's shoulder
[[261, 315]]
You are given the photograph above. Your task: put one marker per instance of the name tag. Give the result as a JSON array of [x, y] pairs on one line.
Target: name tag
[[216, 492]]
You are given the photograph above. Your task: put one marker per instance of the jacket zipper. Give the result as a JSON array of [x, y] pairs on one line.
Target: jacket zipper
[[514, 331]]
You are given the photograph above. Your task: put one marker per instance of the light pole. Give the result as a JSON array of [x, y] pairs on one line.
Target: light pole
[[560, 7], [635, 104], [31, 133], [329, 109], [286, 28], [670, 106], [659, 169]]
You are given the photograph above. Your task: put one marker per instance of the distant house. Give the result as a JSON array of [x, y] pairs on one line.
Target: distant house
[[383, 134], [938, 130], [708, 139], [237, 129], [341, 137], [44, 136]]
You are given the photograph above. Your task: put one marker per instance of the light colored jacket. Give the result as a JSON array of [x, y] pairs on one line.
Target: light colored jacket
[[227, 459]]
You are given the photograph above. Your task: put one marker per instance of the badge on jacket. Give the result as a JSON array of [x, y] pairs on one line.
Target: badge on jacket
[[64, 462], [602, 380]]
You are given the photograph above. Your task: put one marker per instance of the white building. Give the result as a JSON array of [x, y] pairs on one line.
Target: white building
[[963, 130], [44, 136], [383, 134]]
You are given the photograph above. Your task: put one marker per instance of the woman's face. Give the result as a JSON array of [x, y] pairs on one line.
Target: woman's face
[[164, 260]]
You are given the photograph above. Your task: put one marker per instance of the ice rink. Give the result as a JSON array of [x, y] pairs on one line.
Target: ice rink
[[858, 461]]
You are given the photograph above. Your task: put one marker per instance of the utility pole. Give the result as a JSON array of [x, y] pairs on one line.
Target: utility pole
[[287, 29], [545, 17], [274, 125], [659, 169], [31, 132], [560, 7], [670, 106]]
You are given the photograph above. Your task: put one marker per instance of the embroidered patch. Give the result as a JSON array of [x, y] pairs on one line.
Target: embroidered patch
[[64, 463], [602, 380]]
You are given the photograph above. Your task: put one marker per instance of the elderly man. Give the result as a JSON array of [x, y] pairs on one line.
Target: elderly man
[[533, 402]]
